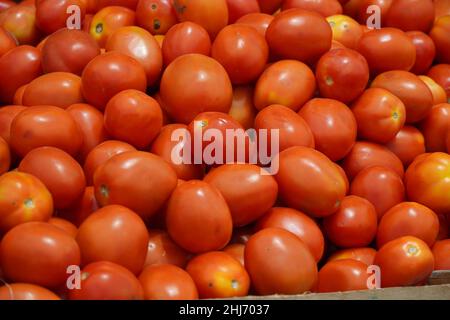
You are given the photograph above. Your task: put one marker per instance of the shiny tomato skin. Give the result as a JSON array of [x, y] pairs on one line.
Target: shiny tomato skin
[[342, 275], [345, 30], [52, 15], [439, 34], [7, 115], [162, 249], [259, 21], [325, 7], [198, 218], [435, 127], [242, 109], [240, 8], [402, 15], [441, 74], [82, 208], [439, 94], [407, 144], [278, 262], [425, 51], [64, 225], [364, 255], [20, 21], [25, 291], [156, 16], [7, 41], [441, 253]]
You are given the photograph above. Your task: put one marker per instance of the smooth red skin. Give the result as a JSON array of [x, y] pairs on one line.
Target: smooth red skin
[[242, 109], [435, 127], [7, 41], [325, 7], [198, 218], [81, 209], [425, 51], [68, 51], [202, 78], [308, 33], [110, 73], [162, 249], [297, 223], [51, 15], [183, 38], [441, 74], [441, 253], [167, 282], [342, 74], [64, 225], [410, 15], [18, 96], [102, 153], [115, 182], [38, 253], [368, 154], [439, 94], [278, 262], [156, 16], [269, 6], [303, 174], [20, 20], [107, 281], [405, 261], [287, 82], [90, 122], [333, 126], [131, 4], [5, 156], [24, 291], [236, 250], [259, 21], [242, 51], [248, 200], [408, 219], [439, 34], [407, 144], [387, 49], [19, 66], [342, 275], [364, 255], [7, 115]]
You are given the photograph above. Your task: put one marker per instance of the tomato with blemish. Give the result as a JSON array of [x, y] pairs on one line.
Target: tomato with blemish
[[345, 30], [108, 20], [156, 16]]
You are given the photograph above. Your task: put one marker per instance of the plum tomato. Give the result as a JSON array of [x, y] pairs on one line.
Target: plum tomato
[[409, 15], [441, 253], [407, 144], [236, 250], [342, 275], [52, 15], [7, 41], [365, 255], [425, 51], [259, 21], [64, 225], [441, 74], [20, 21], [155, 16], [240, 8], [439, 94], [162, 249], [346, 31], [269, 6], [435, 127], [5, 156]]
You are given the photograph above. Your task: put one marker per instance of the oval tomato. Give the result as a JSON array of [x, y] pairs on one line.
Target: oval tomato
[[441, 253], [439, 94], [52, 15], [20, 21], [5, 156], [345, 30], [259, 21], [407, 144], [64, 225], [162, 249], [400, 16], [342, 275], [7, 115], [435, 127], [156, 16], [24, 291], [365, 255], [269, 6], [439, 34], [425, 51]]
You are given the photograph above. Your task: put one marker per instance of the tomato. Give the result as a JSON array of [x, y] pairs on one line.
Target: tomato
[[242, 51], [20, 21], [64, 225], [7, 115], [156, 16], [333, 126], [365, 255], [167, 282], [110, 73], [405, 261], [82, 208], [269, 6], [240, 8], [236, 250], [210, 14], [218, 275], [5, 156], [304, 174], [425, 51], [131, 4], [407, 144], [387, 49], [184, 38], [278, 262], [143, 118], [242, 109], [342, 74], [114, 233], [325, 7], [101, 154], [441, 253], [345, 30], [342, 275], [308, 34], [68, 51], [441, 8], [297, 223], [24, 291], [198, 218], [116, 182], [19, 66], [401, 16], [380, 115], [38, 253], [25, 199], [435, 127], [439, 34], [52, 15], [248, 200], [18, 96], [5, 4], [108, 20], [202, 79], [139, 44], [7, 41], [259, 21], [441, 74], [162, 249], [107, 281], [439, 94], [287, 82]]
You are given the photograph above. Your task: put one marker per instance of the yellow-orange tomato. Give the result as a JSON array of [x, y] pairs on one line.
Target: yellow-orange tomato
[[345, 30], [242, 109]]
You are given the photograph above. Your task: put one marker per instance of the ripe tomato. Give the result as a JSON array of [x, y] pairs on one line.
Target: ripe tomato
[[156, 16], [167, 282], [308, 34], [236, 250], [64, 225], [407, 144], [162, 249], [242, 51], [287, 82], [184, 38], [198, 218], [248, 200], [439, 94], [259, 21], [305, 173], [363, 12], [7, 41], [116, 180], [82, 208], [333, 126], [242, 109], [387, 49], [38, 253], [107, 281], [425, 51], [441, 74], [435, 127], [297, 223], [278, 262], [441, 253], [18, 96], [365, 255], [441, 8], [203, 79], [240, 8], [68, 51], [439, 34], [401, 16], [20, 21], [405, 261], [325, 7], [24, 291], [269, 6], [52, 15], [5, 4], [116, 234], [342, 275], [7, 115], [345, 30]]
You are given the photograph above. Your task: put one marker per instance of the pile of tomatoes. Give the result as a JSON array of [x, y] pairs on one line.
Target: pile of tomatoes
[[93, 204]]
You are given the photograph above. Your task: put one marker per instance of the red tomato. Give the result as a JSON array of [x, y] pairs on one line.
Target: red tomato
[[308, 34], [401, 16], [236, 250], [425, 51], [167, 282], [116, 234], [439, 34], [64, 225], [345, 30], [333, 126], [278, 262], [287, 82], [441, 253], [20, 21], [435, 127], [364, 12], [441, 8], [7, 41], [407, 144], [162, 249], [156, 16], [242, 109], [202, 79], [303, 175], [5, 4], [259, 21], [24, 291], [52, 15], [83, 207], [38, 253], [439, 94], [405, 261], [7, 115], [240, 8], [365, 255], [198, 218], [342, 275], [18, 96], [269, 6], [325, 7], [441, 74], [107, 281]]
